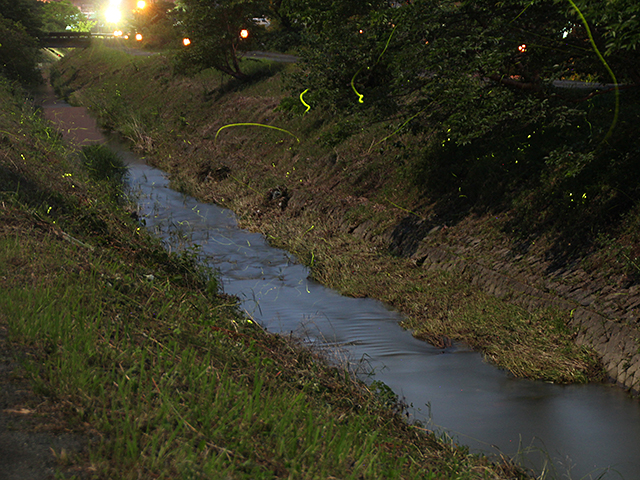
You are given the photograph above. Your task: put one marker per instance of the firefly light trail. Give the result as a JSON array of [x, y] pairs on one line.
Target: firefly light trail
[[255, 125]]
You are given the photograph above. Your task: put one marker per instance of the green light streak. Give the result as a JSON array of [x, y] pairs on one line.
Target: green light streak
[[606, 65], [387, 45], [524, 10], [354, 87], [397, 129], [305, 103], [254, 125], [360, 96]]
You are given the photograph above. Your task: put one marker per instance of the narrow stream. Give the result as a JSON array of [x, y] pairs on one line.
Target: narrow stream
[[572, 432], [582, 430]]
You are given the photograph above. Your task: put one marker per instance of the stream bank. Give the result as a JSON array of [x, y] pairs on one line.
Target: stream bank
[[133, 350], [306, 196], [559, 405]]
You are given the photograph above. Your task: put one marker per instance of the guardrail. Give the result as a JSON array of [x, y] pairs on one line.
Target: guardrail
[[66, 39]]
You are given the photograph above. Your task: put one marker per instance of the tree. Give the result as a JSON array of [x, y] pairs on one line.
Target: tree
[[155, 22], [63, 15], [616, 30], [20, 25], [25, 12], [476, 79], [341, 56], [214, 29]]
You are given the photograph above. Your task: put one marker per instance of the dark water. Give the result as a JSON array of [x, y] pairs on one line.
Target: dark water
[[564, 432], [569, 431]]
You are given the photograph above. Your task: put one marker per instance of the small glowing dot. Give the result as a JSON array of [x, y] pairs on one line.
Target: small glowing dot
[[522, 48]]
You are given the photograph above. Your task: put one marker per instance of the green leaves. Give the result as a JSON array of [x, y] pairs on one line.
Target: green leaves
[[19, 52], [20, 24], [476, 78], [215, 31], [57, 16]]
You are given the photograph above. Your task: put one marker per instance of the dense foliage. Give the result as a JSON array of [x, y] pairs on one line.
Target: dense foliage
[[214, 30], [64, 15], [20, 25], [497, 89], [155, 23]]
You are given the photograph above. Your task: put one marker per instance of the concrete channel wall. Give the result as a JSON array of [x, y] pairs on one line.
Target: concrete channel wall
[[604, 311]]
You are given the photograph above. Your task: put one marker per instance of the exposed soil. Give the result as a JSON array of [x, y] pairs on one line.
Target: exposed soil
[[603, 304]]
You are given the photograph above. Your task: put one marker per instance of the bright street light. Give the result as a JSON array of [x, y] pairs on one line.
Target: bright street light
[[112, 14], [141, 4]]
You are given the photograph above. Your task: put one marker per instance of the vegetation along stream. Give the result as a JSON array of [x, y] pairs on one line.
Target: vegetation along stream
[[569, 431], [439, 198], [582, 429], [574, 431]]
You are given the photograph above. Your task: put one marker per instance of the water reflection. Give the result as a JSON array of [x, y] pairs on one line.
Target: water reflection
[[584, 431], [578, 431]]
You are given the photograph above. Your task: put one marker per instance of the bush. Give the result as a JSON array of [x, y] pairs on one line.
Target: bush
[[103, 164], [19, 53]]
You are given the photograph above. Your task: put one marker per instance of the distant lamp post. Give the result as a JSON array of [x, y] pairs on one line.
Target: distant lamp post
[[138, 37], [244, 33], [186, 42]]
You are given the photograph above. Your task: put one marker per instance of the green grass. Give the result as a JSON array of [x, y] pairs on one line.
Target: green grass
[[339, 183], [135, 347], [441, 306]]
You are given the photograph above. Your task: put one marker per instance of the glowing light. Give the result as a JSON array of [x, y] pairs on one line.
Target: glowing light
[[141, 4], [186, 42], [360, 96], [138, 37], [117, 33], [606, 65], [353, 86], [522, 48], [244, 33], [303, 102], [361, 31], [254, 125], [112, 14]]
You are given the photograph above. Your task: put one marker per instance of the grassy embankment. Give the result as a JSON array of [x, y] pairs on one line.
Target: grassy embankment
[[135, 347], [335, 177]]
